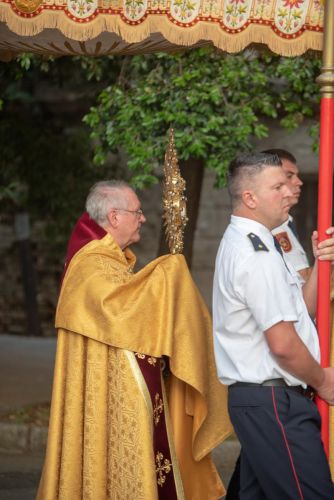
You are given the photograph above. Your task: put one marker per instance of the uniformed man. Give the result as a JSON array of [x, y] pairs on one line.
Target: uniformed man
[[286, 233], [294, 253], [266, 345]]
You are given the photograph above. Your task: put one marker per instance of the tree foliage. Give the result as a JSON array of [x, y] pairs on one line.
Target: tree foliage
[[45, 161], [216, 103]]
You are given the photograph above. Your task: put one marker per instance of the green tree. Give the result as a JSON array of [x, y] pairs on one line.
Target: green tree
[[215, 102], [45, 162], [45, 167]]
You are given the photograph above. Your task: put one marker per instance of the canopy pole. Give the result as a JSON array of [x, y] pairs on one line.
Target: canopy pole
[[325, 199]]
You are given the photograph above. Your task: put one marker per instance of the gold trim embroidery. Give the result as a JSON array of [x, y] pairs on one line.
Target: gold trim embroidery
[[176, 470], [140, 380], [151, 360], [158, 408], [164, 466], [28, 5]]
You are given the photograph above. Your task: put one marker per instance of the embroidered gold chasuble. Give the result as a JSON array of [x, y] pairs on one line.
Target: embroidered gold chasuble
[[100, 432]]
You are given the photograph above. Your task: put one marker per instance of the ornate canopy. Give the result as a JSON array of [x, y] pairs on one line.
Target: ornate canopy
[[99, 27]]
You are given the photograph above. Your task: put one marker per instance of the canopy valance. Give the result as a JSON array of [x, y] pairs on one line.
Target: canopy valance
[[98, 27]]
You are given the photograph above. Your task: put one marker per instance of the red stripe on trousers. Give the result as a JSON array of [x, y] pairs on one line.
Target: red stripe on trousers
[[286, 444]]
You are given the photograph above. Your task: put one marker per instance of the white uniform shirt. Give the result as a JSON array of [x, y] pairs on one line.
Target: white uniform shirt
[[253, 291], [293, 251]]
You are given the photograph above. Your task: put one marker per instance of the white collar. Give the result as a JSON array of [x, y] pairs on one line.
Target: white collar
[[247, 226]]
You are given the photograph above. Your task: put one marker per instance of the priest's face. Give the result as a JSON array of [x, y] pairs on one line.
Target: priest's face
[[130, 219]]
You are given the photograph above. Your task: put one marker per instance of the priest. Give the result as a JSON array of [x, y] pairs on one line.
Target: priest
[[136, 404]]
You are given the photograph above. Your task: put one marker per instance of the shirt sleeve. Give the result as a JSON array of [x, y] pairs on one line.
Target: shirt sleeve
[[270, 292], [297, 257]]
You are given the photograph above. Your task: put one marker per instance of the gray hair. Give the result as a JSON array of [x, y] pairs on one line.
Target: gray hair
[[103, 196], [244, 168]]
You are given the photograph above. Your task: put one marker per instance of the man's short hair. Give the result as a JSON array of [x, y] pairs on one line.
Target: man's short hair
[[244, 168], [103, 196], [282, 154]]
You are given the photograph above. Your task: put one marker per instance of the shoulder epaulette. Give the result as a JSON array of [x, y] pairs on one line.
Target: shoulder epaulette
[[257, 243]]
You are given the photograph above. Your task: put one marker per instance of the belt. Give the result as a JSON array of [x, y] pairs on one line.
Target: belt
[[308, 392]]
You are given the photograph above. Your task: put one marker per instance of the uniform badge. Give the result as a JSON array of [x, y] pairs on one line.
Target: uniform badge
[[283, 240]]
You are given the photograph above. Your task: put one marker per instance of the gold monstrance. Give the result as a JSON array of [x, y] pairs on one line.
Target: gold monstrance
[[174, 200]]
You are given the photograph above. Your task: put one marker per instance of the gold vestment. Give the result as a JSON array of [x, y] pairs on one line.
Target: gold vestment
[[100, 435]]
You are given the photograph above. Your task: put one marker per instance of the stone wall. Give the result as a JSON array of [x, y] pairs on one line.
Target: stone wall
[[48, 272]]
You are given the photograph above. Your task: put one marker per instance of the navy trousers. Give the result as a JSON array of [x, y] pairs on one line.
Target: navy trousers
[[282, 456]]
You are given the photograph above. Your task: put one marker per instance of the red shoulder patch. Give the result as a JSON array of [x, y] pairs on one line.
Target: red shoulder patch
[[283, 240]]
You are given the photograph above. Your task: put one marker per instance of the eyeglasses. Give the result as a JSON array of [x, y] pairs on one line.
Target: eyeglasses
[[138, 212]]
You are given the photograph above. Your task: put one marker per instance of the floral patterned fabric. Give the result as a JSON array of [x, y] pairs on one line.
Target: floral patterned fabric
[[96, 27]]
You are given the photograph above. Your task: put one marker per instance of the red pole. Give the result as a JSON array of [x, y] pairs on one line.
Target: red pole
[[325, 221], [325, 197]]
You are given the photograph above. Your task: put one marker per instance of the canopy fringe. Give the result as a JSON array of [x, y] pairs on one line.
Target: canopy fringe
[[203, 31]]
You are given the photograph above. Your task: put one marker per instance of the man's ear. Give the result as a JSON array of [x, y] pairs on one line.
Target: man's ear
[[248, 199], [113, 219]]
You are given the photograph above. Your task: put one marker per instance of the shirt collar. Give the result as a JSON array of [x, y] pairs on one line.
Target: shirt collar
[[247, 226]]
